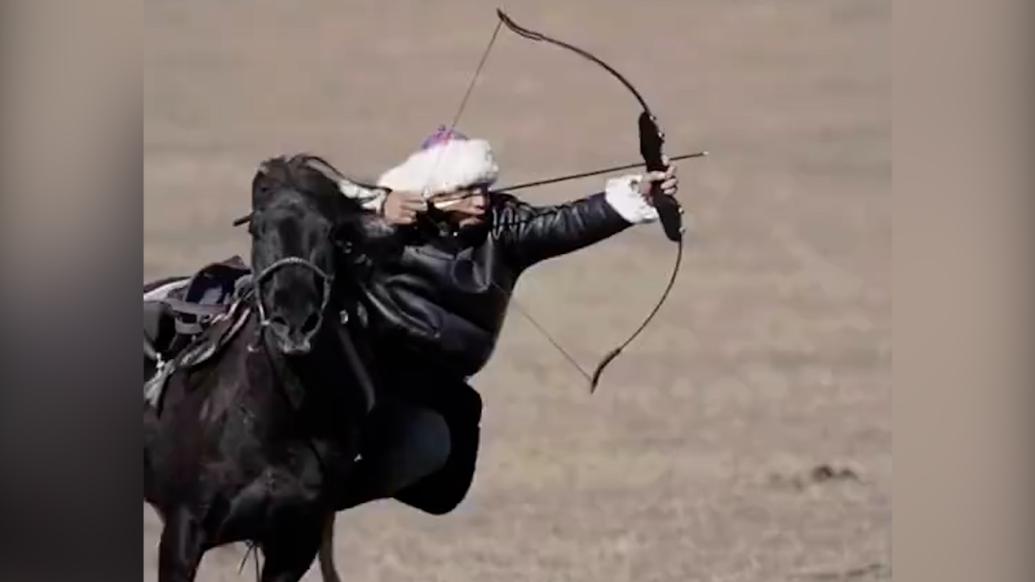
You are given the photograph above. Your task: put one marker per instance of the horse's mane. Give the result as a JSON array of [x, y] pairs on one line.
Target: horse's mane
[[304, 172], [320, 183]]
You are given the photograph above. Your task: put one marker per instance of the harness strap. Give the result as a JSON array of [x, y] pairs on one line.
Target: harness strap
[[149, 350], [203, 314], [196, 353], [356, 363]]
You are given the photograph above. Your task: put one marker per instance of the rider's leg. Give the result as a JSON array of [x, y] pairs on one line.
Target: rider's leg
[[401, 445], [440, 492]]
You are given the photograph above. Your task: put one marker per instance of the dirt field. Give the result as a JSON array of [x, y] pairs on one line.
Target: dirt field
[[697, 459]]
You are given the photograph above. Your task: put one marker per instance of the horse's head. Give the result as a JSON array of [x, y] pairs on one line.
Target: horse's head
[[299, 221]]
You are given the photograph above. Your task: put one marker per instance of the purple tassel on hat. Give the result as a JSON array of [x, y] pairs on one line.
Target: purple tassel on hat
[[442, 135]]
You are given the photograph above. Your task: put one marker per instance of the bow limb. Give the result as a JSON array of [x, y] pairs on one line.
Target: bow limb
[[538, 36], [652, 140], [434, 213]]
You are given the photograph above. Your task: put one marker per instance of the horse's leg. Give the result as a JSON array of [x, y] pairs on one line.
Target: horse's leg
[[289, 555], [327, 569], [180, 548]]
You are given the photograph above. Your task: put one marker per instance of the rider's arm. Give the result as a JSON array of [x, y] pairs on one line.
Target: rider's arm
[[534, 233]]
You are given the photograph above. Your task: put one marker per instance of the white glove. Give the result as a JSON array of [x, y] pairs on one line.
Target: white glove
[[623, 194]]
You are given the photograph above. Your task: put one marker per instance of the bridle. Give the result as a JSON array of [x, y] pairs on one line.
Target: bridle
[[326, 280]]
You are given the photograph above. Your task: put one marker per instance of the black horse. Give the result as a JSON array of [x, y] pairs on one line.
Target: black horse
[[256, 442]]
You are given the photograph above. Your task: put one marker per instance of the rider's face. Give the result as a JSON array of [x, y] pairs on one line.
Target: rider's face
[[464, 207]]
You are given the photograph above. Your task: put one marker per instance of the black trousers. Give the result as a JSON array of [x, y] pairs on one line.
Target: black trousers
[[420, 444]]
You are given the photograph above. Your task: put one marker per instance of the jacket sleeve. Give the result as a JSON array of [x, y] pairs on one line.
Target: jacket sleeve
[[530, 234]]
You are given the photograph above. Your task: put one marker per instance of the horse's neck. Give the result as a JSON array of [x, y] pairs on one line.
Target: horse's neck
[[314, 386]]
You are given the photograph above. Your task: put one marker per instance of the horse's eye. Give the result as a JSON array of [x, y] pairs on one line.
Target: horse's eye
[[256, 227]]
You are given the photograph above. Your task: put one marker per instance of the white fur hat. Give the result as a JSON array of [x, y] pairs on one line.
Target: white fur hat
[[446, 162]]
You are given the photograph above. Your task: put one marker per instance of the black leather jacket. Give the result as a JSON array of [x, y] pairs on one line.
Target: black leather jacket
[[442, 299]]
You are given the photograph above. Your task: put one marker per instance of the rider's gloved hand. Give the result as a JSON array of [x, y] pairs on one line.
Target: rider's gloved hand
[[630, 195], [668, 179]]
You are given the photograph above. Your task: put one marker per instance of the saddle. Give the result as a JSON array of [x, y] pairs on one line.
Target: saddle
[[187, 320], [203, 347], [178, 309]]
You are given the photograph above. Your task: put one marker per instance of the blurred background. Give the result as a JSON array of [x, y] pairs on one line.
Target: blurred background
[[745, 436]]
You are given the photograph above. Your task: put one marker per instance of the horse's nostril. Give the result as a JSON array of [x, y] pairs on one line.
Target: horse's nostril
[[311, 323]]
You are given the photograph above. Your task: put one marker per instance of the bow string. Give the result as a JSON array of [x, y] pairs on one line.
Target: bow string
[[652, 140]]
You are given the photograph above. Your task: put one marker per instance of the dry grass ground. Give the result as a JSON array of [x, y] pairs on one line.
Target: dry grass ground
[[772, 357]]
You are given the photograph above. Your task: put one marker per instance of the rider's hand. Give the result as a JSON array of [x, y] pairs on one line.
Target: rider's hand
[[668, 179], [401, 207]]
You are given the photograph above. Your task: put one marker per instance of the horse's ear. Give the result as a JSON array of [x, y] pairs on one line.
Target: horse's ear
[[262, 185]]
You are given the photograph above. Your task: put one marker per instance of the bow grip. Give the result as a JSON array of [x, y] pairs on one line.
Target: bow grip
[[669, 211]]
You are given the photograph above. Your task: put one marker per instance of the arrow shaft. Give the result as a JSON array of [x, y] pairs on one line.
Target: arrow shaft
[[591, 173]]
